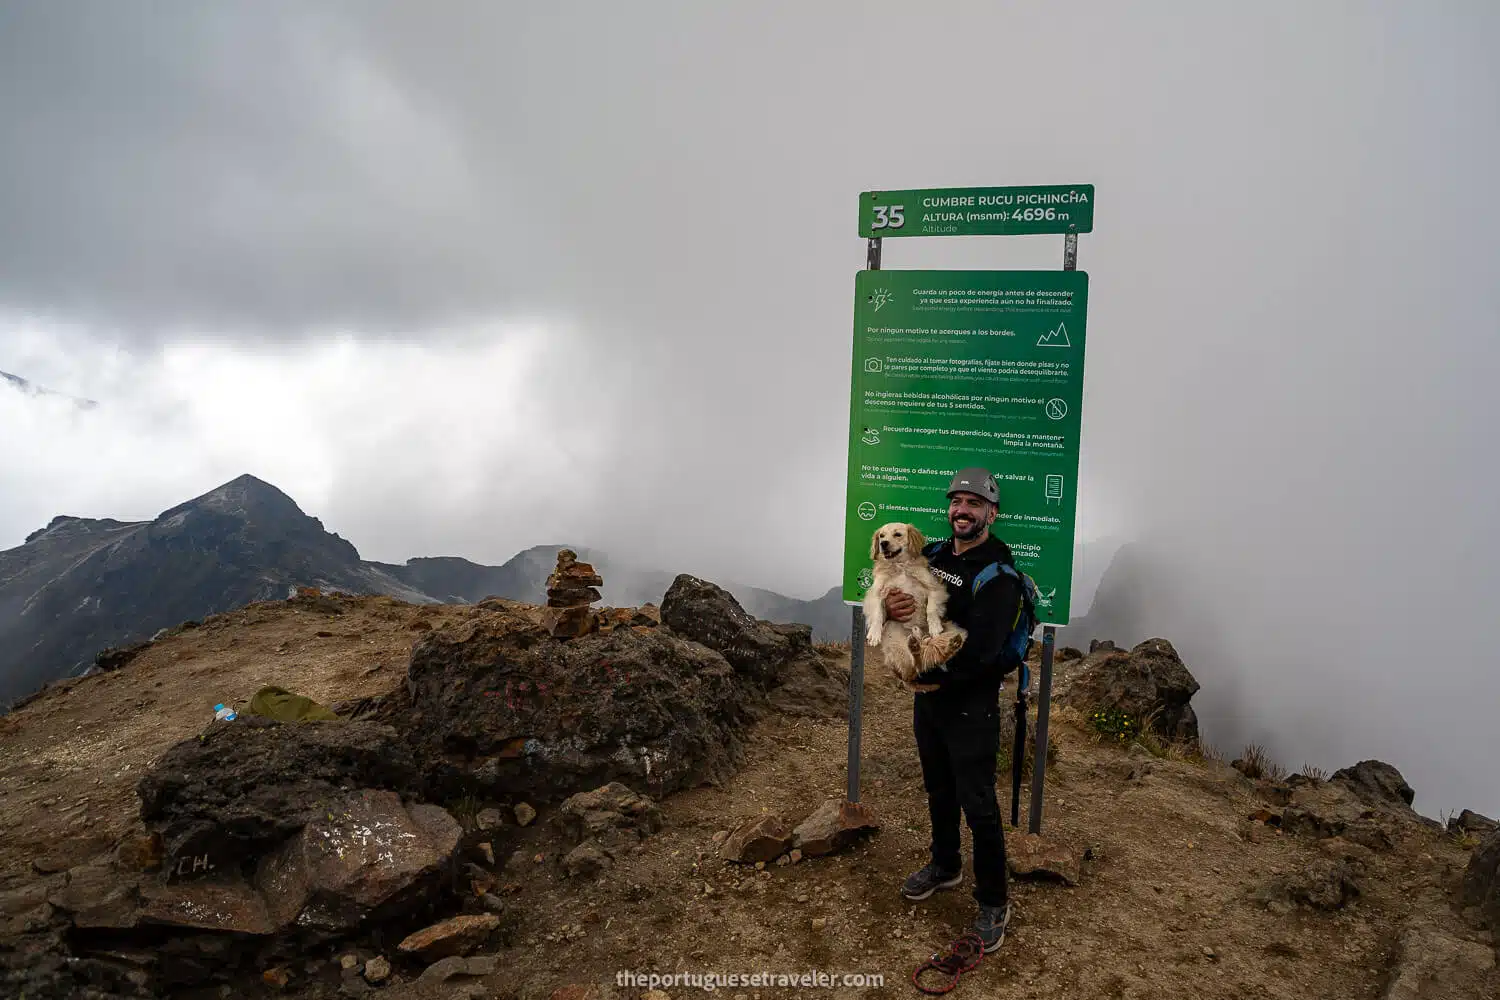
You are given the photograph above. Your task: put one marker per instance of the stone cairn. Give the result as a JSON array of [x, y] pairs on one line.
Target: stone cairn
[[570, 591]]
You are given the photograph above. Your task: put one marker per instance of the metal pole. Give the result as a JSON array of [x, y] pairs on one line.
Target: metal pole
[[856, 697], [1043, 708], [857, 629], [1049, 636]]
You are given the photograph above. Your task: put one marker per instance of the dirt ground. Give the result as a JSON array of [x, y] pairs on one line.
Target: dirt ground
[[1164, 910]]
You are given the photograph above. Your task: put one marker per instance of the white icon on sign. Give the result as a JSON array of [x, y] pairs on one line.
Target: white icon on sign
[[1053, 488], [1057, 408], [881, 297], [866, 511], [866, 579], [1044, 597], [873, 365], [871, 436], [1055, 338]]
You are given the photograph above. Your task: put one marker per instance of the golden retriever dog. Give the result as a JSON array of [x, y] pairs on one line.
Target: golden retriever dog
[[896, 550]]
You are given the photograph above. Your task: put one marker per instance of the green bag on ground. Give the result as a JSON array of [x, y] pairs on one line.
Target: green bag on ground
[[285, 706]]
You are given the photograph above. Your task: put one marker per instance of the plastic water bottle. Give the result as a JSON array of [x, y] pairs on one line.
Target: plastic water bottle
[[223, 713]]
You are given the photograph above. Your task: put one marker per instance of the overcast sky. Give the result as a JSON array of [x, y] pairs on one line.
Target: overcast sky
[[463, 278]]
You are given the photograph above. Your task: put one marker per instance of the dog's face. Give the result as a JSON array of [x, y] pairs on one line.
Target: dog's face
[[897, 542]]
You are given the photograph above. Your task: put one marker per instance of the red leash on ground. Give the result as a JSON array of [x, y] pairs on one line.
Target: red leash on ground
[[963, 956]]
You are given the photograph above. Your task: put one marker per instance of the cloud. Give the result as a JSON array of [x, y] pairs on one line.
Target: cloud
[[462, 279]]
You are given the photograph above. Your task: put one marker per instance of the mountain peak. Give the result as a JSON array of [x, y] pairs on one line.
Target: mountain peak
[[243, 496]]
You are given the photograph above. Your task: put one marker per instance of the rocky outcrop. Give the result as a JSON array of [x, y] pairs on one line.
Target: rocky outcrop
[[1482, 880], [780, 658], [243, 788], [1336, 809], [500, 703], [1149, 682], [1470, 823], [705, 613], [1432, 963], [1376, 783], [1321, 885]]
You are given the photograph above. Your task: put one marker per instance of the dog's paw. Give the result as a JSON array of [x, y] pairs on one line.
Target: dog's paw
[[921, 688], [873, 636]]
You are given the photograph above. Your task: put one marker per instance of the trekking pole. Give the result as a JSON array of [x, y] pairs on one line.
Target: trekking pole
[[1018, 745], [856, 697], [857, 629]]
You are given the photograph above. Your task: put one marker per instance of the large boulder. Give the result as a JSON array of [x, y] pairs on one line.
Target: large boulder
[[1376, 783], [1333, 809], [243, 787], [1431, 963], [1482, 880], [499, 702], [708, 614], [1150, 681], [1471, 823], [772, 656], [368, 858]]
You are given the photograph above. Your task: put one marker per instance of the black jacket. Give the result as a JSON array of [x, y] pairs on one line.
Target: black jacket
[[976, 670]]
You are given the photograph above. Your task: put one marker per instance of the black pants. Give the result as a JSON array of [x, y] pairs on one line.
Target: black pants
[[957, 744]]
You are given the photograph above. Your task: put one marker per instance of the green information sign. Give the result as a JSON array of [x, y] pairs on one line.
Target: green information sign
[[962, 368], [998, 211]]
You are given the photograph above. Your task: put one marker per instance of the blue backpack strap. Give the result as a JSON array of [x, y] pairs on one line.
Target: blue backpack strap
[[989, 573], [933, 548]]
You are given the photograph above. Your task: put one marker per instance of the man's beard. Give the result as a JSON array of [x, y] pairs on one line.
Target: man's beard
[[975, 528]]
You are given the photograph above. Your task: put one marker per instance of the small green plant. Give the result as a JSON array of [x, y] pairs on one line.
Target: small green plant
[[464, 809], [1113, 724]]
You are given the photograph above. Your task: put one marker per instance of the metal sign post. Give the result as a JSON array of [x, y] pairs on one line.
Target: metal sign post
[[857, 628], [1049, 640]]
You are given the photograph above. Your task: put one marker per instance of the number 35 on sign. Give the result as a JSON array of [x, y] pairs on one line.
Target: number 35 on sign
[[889, 216]]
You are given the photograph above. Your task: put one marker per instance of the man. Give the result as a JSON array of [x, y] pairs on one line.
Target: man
[[958, 725]]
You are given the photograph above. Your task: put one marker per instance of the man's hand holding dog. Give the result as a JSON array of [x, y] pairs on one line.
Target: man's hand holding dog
[[899, 606]]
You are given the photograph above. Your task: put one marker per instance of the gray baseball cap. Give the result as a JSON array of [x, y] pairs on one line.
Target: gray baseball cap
[[977, 481]]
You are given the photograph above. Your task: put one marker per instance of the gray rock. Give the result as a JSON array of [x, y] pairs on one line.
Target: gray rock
[[645, 708], [1482, 880], [244, 788], [1322, 885], [489, 819], [1150, 681], [1431, 963], [377, 969], [368, 857], [708, 614], [586, 860], [448, 968], [1471, 823], [612, 814], [1375, 783]]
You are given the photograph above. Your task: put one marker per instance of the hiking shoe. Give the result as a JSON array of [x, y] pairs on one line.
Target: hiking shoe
[[990, 925], [920, 885]]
